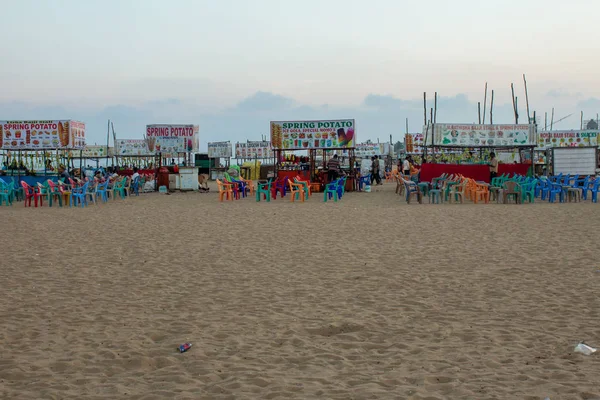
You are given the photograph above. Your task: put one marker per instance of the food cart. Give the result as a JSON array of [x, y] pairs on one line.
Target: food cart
[[482, 139], [548, 140], [297, 144]]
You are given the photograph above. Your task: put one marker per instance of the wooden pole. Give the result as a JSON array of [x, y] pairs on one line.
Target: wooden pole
[[492, 109], [512, 89], [424, 108], [435, 108], [479, 111], [546, 120], [107, 141], [516, 109], [552, 119], [484, 102], [527, 100], [581, 121]]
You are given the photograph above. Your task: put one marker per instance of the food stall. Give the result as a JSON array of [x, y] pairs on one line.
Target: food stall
[[548, 140], [297, 144], [482, 138], [172, 142], [32, 150], [218, 151], [257, 158]]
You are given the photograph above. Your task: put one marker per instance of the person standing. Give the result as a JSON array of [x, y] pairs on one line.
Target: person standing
[[333, 168], [375, 171], [406, 167], [493, 166]]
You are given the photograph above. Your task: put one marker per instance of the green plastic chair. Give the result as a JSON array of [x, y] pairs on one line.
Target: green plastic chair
[[6, 193], [120, 188], [528, 191], [264, 189], [53, 192]]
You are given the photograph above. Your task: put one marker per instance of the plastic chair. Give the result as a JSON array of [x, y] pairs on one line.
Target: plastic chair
[[101, 190], [264, 189], [119, 187], [528, 191], [32, 193], [54, 194], [595, 188], [79, 195], [331, 190], [482, 192], [341, 188], [412, 189], [512, 189], [296, 191], [364, 181], [225, 190], [305, 186], [279, 186], [5, 193], [92, 192], [458, 190]]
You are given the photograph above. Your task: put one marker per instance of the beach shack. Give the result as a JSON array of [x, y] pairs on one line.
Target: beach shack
[[476, 138], [297, 145], [219, 154]]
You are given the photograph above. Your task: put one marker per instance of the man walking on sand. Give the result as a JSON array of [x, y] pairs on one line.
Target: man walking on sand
[[375, 171]]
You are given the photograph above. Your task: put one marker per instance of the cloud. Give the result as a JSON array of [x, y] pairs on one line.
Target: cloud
[[377, 116], [557, 93]]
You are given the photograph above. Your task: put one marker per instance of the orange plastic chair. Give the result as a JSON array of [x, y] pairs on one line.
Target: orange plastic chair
[[482, 192], [225, 190], [389, 177], [296, 189], [249, 184]]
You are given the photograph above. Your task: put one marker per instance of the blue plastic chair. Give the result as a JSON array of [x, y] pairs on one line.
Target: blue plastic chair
[[79, 194], [595, 188], [341, 188], [556, 189], [102, 191], [364, 181], [331, 190]]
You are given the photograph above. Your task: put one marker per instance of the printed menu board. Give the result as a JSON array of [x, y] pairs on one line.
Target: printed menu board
[[313, 134], [34, 135]]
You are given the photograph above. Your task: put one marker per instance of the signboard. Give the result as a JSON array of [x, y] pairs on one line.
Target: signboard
[[96, 151], [473, 135], [253, 149], [313, 134], [132, 147], [568, 138], [575, 161], [371, 149], [172, 139], [33, 135], [219, 150]]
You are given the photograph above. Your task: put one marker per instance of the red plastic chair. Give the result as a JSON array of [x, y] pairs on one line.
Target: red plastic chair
[[32, 193], [279, 186]]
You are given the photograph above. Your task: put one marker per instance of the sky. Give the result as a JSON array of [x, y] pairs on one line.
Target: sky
[[231, 66]]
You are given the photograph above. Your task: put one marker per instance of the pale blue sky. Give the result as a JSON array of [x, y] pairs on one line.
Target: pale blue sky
[[204, 62]]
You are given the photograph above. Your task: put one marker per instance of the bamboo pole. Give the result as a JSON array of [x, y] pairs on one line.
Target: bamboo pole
[[479, 112], [581, 127], [424, 108], [546, 120], [527, 99], [484, 102], [435, 108], [492, 109], [552, 119]]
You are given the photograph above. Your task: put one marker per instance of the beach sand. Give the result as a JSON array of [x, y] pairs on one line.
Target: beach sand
[[367, 298]]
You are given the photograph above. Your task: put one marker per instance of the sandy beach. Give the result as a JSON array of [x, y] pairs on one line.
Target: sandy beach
[[367, 298]]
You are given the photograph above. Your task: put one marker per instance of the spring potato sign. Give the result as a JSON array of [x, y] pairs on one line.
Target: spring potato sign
[[321, 134]]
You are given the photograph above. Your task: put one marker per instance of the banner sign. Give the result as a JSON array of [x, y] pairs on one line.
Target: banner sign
[[132, 147], [219, 150], [473, 135], [253, 149], [372, 149], [171, 140], [96, 151], [34, 135], [313, 134], [583, 138]]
